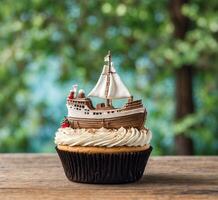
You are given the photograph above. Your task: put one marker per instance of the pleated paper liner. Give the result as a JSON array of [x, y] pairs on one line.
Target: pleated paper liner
[[104, 168]]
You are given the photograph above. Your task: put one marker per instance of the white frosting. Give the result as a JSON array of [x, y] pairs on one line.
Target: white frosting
[[103, 137]]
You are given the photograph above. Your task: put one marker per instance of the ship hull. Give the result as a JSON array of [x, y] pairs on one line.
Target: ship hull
[[134, 120]]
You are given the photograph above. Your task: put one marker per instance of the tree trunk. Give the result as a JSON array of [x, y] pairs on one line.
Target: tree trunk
[[184, 106], [184, 77]]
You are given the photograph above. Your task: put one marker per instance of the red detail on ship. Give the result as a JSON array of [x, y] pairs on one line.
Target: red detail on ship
[[71, 95], [65, 125]]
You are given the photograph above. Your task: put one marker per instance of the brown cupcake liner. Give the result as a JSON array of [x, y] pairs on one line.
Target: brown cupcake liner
[[105, 168]]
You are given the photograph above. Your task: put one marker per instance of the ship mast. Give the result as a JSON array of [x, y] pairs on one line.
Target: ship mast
[[108, 101], [110, 85]]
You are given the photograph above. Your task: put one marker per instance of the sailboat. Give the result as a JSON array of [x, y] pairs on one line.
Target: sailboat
[[82, 113]]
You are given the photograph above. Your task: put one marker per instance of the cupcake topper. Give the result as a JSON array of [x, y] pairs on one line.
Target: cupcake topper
[[82, 113]]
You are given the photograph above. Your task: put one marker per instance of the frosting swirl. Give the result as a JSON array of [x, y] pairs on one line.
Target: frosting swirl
[[103, 137]]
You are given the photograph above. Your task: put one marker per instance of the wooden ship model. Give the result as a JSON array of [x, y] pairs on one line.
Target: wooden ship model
[[82, 113]]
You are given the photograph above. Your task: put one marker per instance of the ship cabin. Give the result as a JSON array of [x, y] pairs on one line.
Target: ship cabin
[[84, 105]]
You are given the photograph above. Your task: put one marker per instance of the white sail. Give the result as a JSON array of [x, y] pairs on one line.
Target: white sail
[[117, 89], [106, 58], [100, 87]]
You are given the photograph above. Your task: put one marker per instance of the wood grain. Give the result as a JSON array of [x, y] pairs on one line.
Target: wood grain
[[40, 176], [134, 120]]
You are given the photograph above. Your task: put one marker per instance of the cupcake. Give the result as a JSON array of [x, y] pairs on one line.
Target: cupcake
[[104, 144]]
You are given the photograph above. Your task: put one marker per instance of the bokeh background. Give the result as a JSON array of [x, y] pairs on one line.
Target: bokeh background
[[165, 51]]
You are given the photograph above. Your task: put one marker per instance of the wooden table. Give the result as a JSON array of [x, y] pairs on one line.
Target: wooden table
[[40, 176]]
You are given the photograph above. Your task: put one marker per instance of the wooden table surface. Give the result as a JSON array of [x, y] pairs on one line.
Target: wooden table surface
[[40, 176]]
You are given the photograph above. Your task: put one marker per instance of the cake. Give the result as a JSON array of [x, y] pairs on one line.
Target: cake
[[104, 144]]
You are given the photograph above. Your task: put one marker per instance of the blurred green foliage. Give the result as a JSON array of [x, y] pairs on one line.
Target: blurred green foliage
[[46, 46]]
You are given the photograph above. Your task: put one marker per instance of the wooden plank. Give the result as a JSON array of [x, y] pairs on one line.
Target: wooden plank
[[40, 176]]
